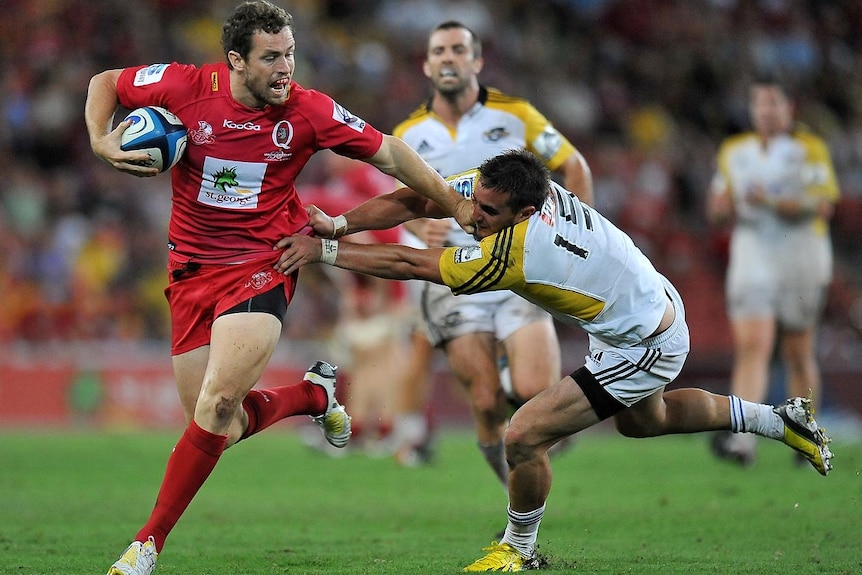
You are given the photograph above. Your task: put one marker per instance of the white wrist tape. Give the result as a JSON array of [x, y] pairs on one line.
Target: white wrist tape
[[329, 251], [339, 226]]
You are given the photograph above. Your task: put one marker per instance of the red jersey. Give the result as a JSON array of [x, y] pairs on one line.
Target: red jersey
[[233, 190]]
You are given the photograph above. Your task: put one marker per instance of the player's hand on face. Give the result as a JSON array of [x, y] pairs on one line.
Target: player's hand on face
[[298, 250], [107, 148], [463, 214], [320, 221]]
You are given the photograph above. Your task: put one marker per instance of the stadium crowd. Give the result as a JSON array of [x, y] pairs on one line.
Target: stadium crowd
[[646, 89]]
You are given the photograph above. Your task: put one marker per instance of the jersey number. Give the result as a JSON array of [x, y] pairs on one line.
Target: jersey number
[[569, 211], [577, 250]]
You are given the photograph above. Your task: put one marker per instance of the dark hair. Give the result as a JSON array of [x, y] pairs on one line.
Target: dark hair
[[251, 17], [773, 80], [521, 175], [475, 43]]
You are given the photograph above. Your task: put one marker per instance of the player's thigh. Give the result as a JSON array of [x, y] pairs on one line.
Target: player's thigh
[[557, 412], [754, 336], [753, 276], [800, 305], [189, 369], [533, 353], [643, 417], [473, 360], [241, 345], [448, 316]]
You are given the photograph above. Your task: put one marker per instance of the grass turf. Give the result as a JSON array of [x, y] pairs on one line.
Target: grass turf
[[70, 502]]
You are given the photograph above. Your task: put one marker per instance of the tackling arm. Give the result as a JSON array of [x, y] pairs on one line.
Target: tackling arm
[[388, 261], [378, 213], [391, 209], [399, 160]]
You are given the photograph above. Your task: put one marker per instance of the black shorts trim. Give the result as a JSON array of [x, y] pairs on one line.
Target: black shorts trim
[[604, 404], [273, 302]]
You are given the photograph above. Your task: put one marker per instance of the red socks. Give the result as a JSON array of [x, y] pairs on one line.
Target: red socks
[[191, 462], [197, 452], [266, 406]]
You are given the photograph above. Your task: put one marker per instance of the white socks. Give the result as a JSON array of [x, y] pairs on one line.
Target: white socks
[[750, 417], [522, 530]]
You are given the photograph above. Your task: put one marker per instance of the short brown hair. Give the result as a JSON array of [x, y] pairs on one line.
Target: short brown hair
[[248, 18]]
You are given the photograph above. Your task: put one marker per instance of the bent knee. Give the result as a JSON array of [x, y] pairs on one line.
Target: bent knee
[[220, 407], [489, 405], [520, 443]]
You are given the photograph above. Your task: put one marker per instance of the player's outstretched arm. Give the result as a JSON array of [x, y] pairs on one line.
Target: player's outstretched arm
[[399, 160], [389, 261], [378, 213]]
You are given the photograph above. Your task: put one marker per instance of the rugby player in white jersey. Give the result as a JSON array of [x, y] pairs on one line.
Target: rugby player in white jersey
[[538, 240], [463, 123], [776, 185]]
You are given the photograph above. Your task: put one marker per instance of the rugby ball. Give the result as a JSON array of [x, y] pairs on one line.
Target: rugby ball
[[157, 132]]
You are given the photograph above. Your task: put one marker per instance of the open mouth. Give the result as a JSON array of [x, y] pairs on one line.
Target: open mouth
[[280, 86]]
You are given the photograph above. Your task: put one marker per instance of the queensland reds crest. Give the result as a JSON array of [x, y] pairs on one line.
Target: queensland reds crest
[[259, 280], [203, 135], [282, 134]]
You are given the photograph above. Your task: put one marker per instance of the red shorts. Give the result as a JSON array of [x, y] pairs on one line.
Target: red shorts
[[197, 295]]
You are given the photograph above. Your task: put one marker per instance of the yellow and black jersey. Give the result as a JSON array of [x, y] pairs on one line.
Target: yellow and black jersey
[[496, 123], [568, 259]]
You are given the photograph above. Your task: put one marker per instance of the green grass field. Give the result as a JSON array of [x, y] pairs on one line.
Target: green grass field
[[70, 502]]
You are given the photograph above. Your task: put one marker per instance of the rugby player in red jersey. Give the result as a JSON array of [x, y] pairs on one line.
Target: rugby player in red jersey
[[252, 128]]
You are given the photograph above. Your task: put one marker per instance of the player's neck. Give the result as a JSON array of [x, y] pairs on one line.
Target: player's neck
[[766, 138], [452, 107]]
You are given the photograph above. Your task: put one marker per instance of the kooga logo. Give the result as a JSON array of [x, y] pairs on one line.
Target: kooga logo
[[247, 126]]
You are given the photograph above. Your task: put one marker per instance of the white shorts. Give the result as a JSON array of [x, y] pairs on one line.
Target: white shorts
[[633, 373], [502, 313], [785, 279]]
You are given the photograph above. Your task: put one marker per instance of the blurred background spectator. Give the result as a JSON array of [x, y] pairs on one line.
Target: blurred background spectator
[[646, 89]]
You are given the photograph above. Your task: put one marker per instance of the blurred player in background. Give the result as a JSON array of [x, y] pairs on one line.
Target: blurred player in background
[[251, 130], [777, 186], [540, 241], [462, 124]]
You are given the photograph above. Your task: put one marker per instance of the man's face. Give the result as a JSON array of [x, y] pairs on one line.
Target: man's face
[[771, 111], [266, 74], [450, 63], [491, 212]]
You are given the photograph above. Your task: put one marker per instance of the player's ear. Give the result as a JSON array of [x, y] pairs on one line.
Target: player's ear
[[426, 69], [478, 64], [236, 61], [524, 214]]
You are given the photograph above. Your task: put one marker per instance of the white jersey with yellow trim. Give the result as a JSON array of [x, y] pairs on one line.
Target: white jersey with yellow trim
[[778, 267], [496, 123], [571, 261], [788, 166]]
